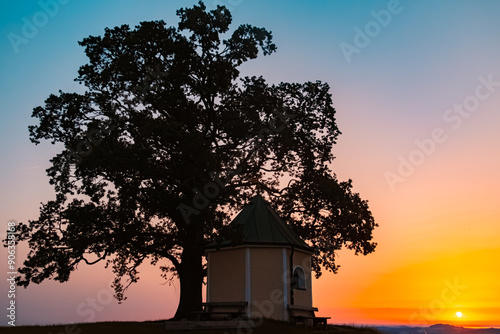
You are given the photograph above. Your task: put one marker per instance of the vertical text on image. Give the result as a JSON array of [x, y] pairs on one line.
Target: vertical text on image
[[11, 272]]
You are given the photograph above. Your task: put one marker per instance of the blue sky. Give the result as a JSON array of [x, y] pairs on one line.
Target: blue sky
[[393, 92]]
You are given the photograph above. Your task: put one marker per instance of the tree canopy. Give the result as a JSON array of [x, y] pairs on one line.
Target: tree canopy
[[168, 141]]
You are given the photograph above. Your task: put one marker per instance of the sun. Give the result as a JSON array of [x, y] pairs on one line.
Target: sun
[[459, 314]]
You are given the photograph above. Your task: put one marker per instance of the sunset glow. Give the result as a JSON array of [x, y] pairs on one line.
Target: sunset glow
[[418, 106]]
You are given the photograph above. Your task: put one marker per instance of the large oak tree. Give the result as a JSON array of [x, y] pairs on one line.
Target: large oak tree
[[169, 141]]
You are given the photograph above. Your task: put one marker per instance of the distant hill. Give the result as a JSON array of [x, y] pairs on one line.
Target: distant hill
[[158, 327], [436, 329]]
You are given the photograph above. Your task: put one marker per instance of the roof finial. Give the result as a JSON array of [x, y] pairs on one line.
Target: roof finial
[[258, 185]]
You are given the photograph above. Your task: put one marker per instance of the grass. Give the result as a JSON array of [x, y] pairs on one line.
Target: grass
[[154, 327]]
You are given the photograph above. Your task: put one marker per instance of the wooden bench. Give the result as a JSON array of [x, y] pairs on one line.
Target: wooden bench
[[302, 314], [221, 310]]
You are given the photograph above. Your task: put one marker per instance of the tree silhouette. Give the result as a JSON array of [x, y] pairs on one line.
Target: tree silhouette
[[168, 142]]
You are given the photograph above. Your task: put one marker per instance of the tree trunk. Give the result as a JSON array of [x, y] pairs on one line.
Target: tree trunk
[[191, 281]]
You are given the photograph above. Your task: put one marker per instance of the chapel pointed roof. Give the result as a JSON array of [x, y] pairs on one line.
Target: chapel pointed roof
[[261, 225]]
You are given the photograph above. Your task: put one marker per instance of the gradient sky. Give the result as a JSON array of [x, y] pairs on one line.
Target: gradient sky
[[429, 171]]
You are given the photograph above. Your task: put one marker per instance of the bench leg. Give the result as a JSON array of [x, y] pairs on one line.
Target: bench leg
[[321, 322]]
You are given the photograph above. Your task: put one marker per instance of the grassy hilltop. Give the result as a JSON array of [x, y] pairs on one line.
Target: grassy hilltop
[[154, 327]]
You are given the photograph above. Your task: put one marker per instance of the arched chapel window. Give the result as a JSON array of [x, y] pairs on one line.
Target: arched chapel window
[[299, 278]]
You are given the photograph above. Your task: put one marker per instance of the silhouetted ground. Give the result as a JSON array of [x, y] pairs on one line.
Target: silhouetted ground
[[436, 329], [154, 327]]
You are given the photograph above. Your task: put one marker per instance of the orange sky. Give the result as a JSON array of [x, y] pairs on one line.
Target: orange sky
[[438, 248]]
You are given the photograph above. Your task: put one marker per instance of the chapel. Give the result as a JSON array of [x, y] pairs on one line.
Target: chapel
[[268, 268]]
